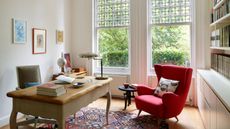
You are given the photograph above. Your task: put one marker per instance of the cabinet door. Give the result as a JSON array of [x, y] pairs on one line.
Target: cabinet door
[[223, 116], [211, 101]]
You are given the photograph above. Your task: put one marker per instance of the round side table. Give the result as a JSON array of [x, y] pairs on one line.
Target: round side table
[[129, 93]]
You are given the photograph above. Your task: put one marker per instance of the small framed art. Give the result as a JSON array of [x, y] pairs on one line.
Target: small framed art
[[59, 35], [39, 41], [19, 31]]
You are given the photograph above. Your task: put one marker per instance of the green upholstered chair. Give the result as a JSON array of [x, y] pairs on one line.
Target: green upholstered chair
[[30, 76]]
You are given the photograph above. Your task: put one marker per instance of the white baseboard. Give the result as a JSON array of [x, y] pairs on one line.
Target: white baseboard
[[4, 120]]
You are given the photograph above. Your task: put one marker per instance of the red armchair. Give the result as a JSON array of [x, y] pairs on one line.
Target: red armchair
[[170, 104]]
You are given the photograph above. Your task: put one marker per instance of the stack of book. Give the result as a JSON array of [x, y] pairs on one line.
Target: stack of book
[[221, 11], [51, 89], [221, 37]]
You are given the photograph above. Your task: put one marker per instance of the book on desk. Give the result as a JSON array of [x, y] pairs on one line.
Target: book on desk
[[51, 89]]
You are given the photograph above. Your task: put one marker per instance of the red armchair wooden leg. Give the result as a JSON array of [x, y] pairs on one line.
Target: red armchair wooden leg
[[139, 113], [177, 119]]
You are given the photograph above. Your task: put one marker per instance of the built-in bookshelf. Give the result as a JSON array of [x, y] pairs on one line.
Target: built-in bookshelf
[[220, 37]]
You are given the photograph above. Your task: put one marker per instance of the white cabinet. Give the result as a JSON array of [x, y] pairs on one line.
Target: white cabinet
[[223, 116], [213, 112]]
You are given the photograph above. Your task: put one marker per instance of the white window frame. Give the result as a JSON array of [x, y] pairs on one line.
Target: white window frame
[[192, 45], [109, 70]]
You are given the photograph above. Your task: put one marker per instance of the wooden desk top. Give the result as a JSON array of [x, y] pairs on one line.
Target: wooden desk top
[[71, 93]]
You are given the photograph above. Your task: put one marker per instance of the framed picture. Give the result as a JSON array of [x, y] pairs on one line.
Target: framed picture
[[67, 58], [59, 35], [19, 31], [39, 41]]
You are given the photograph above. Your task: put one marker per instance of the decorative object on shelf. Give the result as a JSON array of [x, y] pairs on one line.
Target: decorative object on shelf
[[61, 63], [95, 57], [39, 41], [19, 31], [59, 36]]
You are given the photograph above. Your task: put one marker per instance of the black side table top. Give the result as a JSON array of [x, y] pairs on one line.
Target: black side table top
[[131, 89], [129, 93]]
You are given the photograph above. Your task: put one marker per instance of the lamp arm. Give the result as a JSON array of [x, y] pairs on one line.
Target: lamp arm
[[101, 65]]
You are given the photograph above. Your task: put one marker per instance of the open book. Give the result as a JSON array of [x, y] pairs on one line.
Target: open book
[[63, 78]]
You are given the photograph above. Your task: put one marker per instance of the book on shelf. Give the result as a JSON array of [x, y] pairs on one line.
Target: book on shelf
[[217, 39], [221, 11], [51, 89], [213, 38], [220, 60]]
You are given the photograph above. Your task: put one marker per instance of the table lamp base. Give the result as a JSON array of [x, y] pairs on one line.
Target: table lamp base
[[101, 78]]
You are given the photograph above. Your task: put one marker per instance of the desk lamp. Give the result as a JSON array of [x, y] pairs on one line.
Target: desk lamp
[[95, 57]]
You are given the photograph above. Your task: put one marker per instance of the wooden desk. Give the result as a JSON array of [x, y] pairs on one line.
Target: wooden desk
[[27, 101]]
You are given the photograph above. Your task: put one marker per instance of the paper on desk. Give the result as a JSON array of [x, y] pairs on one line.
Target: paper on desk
[[65, 79]]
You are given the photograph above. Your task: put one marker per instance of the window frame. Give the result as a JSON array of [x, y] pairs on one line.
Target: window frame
[[150, 44], [110, 70]]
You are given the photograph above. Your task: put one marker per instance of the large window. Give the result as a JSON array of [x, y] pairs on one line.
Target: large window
[[112, 33], [171, 31]]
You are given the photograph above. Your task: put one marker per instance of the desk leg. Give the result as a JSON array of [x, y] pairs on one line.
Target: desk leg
[[13, 118], [108, 107], [61, 123]]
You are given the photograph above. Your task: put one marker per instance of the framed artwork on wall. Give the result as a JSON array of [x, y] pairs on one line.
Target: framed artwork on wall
[[59, 36], [39, 41], [19, 31]]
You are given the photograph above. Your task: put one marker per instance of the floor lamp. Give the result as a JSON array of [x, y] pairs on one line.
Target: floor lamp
[[95, 57]]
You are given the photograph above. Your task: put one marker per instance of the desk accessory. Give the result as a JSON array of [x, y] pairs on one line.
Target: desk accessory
[[95, 57], [78, 84]]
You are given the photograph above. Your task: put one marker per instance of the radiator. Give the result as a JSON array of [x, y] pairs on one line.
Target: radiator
[[118, 80]]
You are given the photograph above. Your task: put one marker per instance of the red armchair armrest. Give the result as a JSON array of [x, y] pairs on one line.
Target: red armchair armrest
[[144, 90]]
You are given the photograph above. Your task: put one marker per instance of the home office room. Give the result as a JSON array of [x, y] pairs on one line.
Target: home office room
[[135, 64]]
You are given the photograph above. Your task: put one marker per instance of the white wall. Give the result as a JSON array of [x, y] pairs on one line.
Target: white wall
[[82, 31], [46, 14]]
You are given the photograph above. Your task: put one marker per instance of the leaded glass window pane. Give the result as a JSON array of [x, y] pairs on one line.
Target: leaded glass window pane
[[112, 13], [171, 11]]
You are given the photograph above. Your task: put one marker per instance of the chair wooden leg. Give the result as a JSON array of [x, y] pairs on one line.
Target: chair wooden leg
[[163, 124], [139, 113], [177, 119]]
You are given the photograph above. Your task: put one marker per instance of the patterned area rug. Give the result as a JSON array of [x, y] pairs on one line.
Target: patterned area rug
[[93, 118]]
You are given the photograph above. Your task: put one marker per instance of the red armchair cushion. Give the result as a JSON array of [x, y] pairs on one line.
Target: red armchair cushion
[[150, 104]]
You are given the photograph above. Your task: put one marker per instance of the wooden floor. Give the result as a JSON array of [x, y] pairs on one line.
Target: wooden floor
[[188, 119]]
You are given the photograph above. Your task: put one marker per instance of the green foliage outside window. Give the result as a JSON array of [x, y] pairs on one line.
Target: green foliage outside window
[[171, 44], [113, 46]]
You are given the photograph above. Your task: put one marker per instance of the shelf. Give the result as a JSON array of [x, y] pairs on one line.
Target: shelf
[[221, 50], [218, 4], [225, 20]]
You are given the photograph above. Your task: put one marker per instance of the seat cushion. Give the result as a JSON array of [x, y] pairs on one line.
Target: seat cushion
[[30, 84], [150, 104]]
